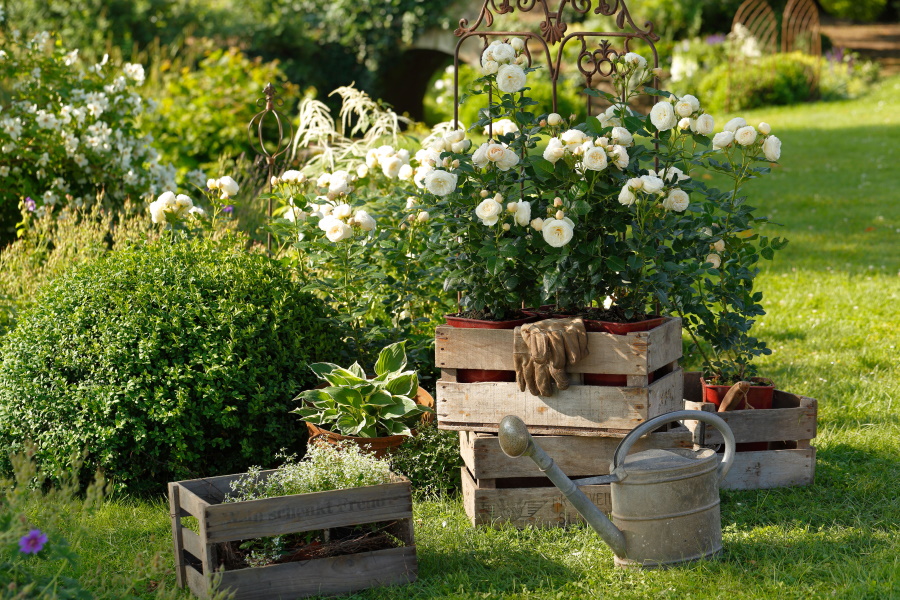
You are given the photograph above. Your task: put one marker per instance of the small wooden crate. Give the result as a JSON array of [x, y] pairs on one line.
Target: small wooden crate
[[499, 489], [586, 410], [196, 556], [787, 427]]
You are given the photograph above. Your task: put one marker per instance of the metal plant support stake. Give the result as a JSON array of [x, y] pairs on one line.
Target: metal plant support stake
[[281, 145]]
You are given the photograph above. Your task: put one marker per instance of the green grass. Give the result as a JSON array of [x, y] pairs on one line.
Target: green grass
[[832, 299]]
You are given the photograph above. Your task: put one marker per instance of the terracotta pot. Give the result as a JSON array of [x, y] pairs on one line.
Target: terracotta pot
[[486, 375], [611, 380], [758, 397], [379, 446]]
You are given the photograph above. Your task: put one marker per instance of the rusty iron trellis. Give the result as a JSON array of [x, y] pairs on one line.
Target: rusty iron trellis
[[592, 63], [800, 31], [759, 19], [268, 105]]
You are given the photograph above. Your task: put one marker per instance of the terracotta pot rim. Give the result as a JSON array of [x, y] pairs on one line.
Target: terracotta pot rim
[[755, 383], [505, 324]]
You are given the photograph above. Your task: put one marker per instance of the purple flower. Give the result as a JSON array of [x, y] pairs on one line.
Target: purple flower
[[32, 542], [30, 204], [228, 209], [716, 38]]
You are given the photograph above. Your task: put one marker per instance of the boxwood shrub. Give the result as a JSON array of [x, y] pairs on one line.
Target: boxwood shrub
[[162, 362]]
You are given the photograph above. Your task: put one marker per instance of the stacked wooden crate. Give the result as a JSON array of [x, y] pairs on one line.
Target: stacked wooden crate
[[580, 427]]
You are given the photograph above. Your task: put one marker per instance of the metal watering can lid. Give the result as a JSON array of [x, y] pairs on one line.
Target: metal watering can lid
[[659, 459]]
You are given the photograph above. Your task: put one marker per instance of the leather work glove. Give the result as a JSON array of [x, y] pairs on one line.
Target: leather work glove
[[542, 350]]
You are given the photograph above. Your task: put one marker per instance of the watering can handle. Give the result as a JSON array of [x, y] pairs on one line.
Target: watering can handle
[[679, 415]]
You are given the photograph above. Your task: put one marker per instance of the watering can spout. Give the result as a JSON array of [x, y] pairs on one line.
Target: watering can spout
[[515, 441]]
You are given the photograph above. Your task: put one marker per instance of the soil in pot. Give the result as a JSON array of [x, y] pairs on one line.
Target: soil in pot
[[481, 320], [610, 320]]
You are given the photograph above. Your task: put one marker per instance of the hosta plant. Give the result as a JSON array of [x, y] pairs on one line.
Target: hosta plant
[[359, 406]]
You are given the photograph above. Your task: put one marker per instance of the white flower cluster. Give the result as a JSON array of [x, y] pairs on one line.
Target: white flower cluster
[[653, 186], [505, 61], [684, 113], [490, 211], [737, 131], [391, 161], [336, 184], [591, 154], [227, 187], [496, 154], [337, 221], [501, 127], [427, 175], [169, 207]]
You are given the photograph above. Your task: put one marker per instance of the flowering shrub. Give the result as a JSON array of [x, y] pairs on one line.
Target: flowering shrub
[[68, 134]]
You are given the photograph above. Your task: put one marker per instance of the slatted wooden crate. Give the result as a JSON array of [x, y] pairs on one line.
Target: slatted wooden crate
[[499, 489], [788, 427], [196, 555], [586, 410]]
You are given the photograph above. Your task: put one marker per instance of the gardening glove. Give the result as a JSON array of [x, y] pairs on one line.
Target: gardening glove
[[535, 376], [542, 350], [736, 397]]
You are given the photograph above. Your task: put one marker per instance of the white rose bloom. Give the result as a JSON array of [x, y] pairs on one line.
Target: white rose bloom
[[635, 183], [572, 138], [362, 171], [764, 128], [372, 158], [325, 209], [508, 160], [662, 115], [495, 152], [537, 224], [557, 233], [428, 156], [619, 156], [694, 102], [772, 148], [440, 183], [293, 176], [488, 209], [672, 174], [460, 147], [677, 200], [327, 221], [501, 127], [489, 67], [455, 136], [554, 150], [652, 184], [503, 53], [684, 123], [553, 119], [403, 155], [745, 136], [294, 214], [718, 245], [411, 202], [735, 124], [342, 211], [323, 180], [480, 157], [228, 187], [715, 260], [594, 159], [683, 108], [337, 230], [622, 136], [420, 175], [364, 220], [339, 183], [510, 79], [488, 53], [626, 196], [405, 173], [518, 44], [212, 184], [703, 125], [722, 139], [523, 213], [391, 167], [385, 151], [423, 216], [633, 58]]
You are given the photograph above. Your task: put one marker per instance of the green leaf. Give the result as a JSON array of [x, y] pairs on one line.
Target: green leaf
[[403, 385], [346, 396], [402, 407], [321, 369], [357, 370], [392, 359], [380, 398]]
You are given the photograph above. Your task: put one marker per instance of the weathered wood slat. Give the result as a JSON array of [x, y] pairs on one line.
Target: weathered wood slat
[[305, 512], [632, 354], [772, 425], [189, 501], [177, 537], [579, 410], [326, 576], [771, 469], [524, 506], [191, 542], [576, 456], [197, 583]]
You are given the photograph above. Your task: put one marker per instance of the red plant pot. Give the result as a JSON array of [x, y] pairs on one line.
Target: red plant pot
[[758, 397], [486, 375]]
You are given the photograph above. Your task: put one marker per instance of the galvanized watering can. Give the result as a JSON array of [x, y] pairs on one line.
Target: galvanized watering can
[[665, 503]]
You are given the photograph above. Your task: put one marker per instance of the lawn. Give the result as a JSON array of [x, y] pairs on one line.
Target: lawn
[[834, 327]]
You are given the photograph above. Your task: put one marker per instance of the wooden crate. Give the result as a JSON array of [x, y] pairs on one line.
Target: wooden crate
[[586, 410], [196, 556], [499, 489], [788, 427]]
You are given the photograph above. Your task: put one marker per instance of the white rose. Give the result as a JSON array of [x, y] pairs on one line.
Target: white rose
[[323, 180], [372, 158], [385, 151], [391, 167], [554, 150], [183, 204], [718, 245], [662, 115], [503, 53], [622, 136], [508, 160], [461, 146], [405, 173], [635, 59], [683, 108], [635, 183], [212, 184], [457, 135], [722, 139], [342, 211], [772, 148], [440, 183], [228, 187], [537, 224], [684, 123], [488, 209], [693, 101], [518, 44], [480, 157], [572, 138], [293, 176], [294, 214], [428, 156], [703, 125], [510, 79], [715, 260], [420, 175], [328, 221], [495, 152], [553, 119], [671, 174], [365, 221], [423, 217], [626, 196], [523, 212], [594, 159], [619, 156], [557, 233], [652, 184], [745, 136], [677, 200], [337, 230], [489, 67], [764, 128], [735, 124]]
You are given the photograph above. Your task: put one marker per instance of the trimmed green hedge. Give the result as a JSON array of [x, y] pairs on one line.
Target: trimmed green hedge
[[162, 362]]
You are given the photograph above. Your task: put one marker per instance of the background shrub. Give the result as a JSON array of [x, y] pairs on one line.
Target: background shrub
[[772, 80], [431, 460], [165, 361]]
